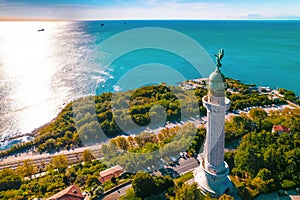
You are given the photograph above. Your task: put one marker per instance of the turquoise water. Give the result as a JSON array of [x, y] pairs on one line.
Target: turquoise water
[[265, 53], [41, 71]]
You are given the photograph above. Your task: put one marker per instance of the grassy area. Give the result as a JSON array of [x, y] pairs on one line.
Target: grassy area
[[235, 181], [239, 186], [185, 177], [253, 192]]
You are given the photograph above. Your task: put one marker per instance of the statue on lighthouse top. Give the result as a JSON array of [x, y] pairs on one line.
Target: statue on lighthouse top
[[216, 85], [219, 57]]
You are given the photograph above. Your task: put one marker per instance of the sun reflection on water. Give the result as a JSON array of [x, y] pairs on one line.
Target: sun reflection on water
[[28, 62]]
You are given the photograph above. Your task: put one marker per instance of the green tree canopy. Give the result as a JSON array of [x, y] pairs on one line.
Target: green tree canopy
[[9, 180], [27, 169], [130, 195], [60, 162], [257, 114], [87, 156], [143, 184], [190, 192]]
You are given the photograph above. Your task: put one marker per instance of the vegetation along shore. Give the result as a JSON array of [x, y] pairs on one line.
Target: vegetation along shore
[[266, 159]]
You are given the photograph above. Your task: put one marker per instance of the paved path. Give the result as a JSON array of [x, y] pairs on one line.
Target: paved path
[[120, 192], [184, 166]]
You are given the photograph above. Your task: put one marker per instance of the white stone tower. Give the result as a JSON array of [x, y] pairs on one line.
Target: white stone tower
[[212, 174]]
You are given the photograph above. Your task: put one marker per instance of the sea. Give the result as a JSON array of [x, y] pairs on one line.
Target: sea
[[45, 65]]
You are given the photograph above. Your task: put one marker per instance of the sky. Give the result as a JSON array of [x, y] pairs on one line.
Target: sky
[[150, 9]]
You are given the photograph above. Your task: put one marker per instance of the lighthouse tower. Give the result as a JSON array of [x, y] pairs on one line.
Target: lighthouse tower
[[212, 174]]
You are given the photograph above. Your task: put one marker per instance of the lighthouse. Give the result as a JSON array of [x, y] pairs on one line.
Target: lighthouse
[[212, 173]]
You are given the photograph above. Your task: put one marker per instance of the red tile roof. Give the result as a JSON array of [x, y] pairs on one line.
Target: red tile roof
[[281, 128], [69, 191], [108, 174], [111, 170]]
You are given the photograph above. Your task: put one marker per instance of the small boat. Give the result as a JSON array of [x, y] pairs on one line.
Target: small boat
[[41, 30], [101, 24]]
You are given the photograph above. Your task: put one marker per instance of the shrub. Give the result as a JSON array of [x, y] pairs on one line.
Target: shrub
[[288, 184]]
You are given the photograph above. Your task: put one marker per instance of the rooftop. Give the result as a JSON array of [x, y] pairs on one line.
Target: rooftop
[[281, 128], [71, 191], [111, 170]]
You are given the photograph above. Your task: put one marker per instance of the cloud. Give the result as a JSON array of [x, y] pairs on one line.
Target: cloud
[[152, 2], [169, 11], [72, 5], [288, 17], [251, 16], [153, 9], [177, 4]]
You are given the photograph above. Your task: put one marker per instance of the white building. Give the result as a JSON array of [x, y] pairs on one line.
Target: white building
[[212, 174]]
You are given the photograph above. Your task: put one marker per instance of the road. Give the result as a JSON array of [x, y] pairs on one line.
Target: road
[[276, 94], [74, 156], [184, 165], [120, 192]]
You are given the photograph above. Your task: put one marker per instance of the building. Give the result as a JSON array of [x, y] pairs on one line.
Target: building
[[280, 129], [70, 193], [108, 174], [212, 174]]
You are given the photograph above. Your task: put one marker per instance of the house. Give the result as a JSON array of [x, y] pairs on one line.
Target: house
[[108, 174], [280, 129], [70, 193]]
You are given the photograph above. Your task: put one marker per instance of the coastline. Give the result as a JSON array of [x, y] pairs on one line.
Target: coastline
[[16, 136], [186, 85], [7, 141]]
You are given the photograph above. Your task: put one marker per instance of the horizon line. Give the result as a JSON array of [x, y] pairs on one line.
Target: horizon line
[[2, 19]]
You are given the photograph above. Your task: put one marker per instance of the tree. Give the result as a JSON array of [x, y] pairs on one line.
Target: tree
[[130, 195], [197, 142], [91, 133], [190, 192], [60, 162], [109, 150], [71, 175], [225, 197], [263, 180], [97, 192], [81, 180], [121, 143], [143, 184], [131, 141], [257, 114], [27, 169], [281, 90], [264, 174], [288, 184], [9, 180], [290, 96], [92, 181], [87, 155], [163, 183]]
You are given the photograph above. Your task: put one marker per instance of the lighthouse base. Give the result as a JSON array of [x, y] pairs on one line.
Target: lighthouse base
[[214, 184]]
